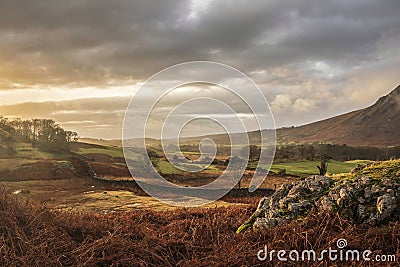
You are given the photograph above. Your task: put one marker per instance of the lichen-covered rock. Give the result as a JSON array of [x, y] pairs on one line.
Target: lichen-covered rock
[[385, 205], [288, 202], [361, 199]]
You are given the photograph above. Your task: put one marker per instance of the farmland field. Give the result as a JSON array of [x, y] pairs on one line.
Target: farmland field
[[310, 167]]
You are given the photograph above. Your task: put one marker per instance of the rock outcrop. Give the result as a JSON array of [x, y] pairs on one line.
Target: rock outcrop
[[369, 194]]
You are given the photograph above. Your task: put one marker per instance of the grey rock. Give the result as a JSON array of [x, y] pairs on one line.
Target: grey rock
[[297, 192], [325, 203], [362, 200], [365, 180], [385, 205]]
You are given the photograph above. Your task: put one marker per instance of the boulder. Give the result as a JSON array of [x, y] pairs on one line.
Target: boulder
[[360, 199]]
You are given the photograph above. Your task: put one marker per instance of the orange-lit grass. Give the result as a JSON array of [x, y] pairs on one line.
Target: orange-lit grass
[[36, 236]]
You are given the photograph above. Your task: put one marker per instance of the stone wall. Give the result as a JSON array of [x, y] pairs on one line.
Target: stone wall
[[369, 194]]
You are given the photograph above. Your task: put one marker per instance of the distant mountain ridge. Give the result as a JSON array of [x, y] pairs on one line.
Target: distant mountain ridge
[[377, 125]]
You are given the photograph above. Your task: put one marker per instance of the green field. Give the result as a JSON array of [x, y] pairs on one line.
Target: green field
[[166, 167], [26, 150], [106, 150], [310, 167], [295, 168], [111, 151]]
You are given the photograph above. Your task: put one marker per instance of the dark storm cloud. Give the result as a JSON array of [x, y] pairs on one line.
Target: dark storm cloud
[[93, 42], [79, 41], [312, 59]]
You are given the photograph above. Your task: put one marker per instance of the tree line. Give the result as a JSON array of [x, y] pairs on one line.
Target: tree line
[[335, 152], [314, 151], [43, 133]]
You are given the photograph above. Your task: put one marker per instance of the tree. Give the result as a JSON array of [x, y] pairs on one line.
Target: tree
[[254, 152], [324, 166], [42, 132]]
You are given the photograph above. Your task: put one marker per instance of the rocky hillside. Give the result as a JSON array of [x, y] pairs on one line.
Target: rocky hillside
[[370, 194], [377, 125]]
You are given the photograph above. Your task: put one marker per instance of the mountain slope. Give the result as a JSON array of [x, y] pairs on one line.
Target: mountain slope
[[377, 125]]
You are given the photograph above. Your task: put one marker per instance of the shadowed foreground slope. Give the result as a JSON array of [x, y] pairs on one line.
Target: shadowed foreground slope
[[36, 236]]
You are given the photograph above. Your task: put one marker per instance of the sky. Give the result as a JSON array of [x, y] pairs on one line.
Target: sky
[[80, 62]]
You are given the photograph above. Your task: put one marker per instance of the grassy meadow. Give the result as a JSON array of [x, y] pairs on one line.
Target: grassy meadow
[[310, 167]]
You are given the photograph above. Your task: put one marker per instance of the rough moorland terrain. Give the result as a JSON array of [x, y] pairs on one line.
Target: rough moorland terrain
[[370, 194]]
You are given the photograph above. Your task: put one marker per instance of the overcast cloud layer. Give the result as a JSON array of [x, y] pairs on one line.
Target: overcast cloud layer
[[312, 59]]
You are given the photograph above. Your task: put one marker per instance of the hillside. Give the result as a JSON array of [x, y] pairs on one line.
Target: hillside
[[377, 125], [35, 235]]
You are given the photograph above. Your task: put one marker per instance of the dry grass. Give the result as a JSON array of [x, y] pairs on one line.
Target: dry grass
[[36, 236]]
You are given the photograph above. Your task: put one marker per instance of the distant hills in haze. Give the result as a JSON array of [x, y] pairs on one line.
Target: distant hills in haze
[[377, 125]]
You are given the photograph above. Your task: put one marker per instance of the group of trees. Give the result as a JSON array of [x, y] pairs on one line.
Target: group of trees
[[296, 152], [44, 133], [332, 151]]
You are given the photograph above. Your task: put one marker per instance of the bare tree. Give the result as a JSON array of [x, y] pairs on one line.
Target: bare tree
[[323, 168]]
